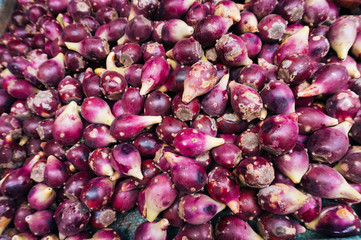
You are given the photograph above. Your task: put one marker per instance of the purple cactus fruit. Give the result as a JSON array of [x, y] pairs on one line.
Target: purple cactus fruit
[[342, 35], [268, 52], [56, 173], [191, 142], [186, 51], [295, 69], [330, 144], [316, 12], [291, 11], [75, 184], [348, 165], [154, 74], [318, 47], [144, 30], [152, 230], [103, 218], [278, 97], [253, 76], [97, 136], [41, 196], [127, 127], [211, 28], [263, 8], [175, 30], [7, 210], [198, 208], [44, 103], [245, 101], [185, 112], [125, 196], [323, 181], [233, 228], [171, 213], [78, 155], [69, 89], [343, 105], [24, 236], [200, 79], [255, 172], [205, 124], [293, 164], [99, 162], [17, 183], [193, 232], [21, 212], [168, 129], [278, 134], [187, 174], [278, 227], [157, 104], [356, 47], [336, 220], [96, 110], [91, 48], [97, 193], [41, 222], [311, 120], [214, 103], [132, 101], [249, 208], [152, 49], [227, 155], [227, 9], [223, 187], [68, 127], [159, 194], [125, 159], [232, 51], [281, 199], [296, 43], [113, 84], [272, 27], [71, 217], [310, 210]]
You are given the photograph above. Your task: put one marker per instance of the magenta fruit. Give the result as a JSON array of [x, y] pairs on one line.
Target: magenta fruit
[[330, 144], [233, 228], [316, 12], [175, 30], [248, 204], [253, 76], [278, 134], [200, 79], [97, 193], [157, 104], [159, 194], [278, 97], [318, 47], [154, 74], [132, 101], [170, 9], [144, 30], [41, 222], [227, 9], [271, 28], [186, 51], [152, 49], [193, 232], [205, 124], [187, 174], [248, 23], [78, 155], [19, 217], [343, 105], [125, 159], [71, 217], [198, 208], [255, 172], [91, 48], [310, 210], [69, 89], [263, 8], [291, 11], [185, 112], [171, 213], [281, 199], [99, 162], [97, 136], [106, 234], [56, 173], [311, 120], [337, 220], [245, 101], [348, 165], [342, 35], [227, 155], [225, 48], [125, 196], [323, 181], [76, 183], [113, 84], [96, 110], [278, 227], [248, 143], [168, 129], [295, 69], [41, 196], [349, 63], [191, 142], [103, 218], [223, 187], [293, 164], [7, 210], [152, 230]]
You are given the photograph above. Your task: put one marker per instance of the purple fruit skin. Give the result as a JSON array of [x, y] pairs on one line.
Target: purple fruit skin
[[152, 49], [249, 208], [198, 208], [227, 155], [41, 196], [78, 155], [214, 103], [157, 104], [343, 105], [234, 228], [193, 232], [248, 23], [348, 167], [336, 220], [185, 112], [132, 101], [21, 212], [255, 172], [75, 184], [56, 173], [97, 136], [196, 13], [248, 142], [187, 51], [125, 159], [147, 144], [97, 192], [295, 69], [271, 28], [205, 124], [316, 12], [154, 74], [152, 230], [310, 210], [41, 222], [103, 218], [328, 145], [171, 214], [318, 47], [278, 97], [168, 129], [71, 217], [253, 44], [291, 11], [187, 174], [268, 52], [278, 134], [311, 120], [252, 75], [124, 200], [114, 85], [99, 162]]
